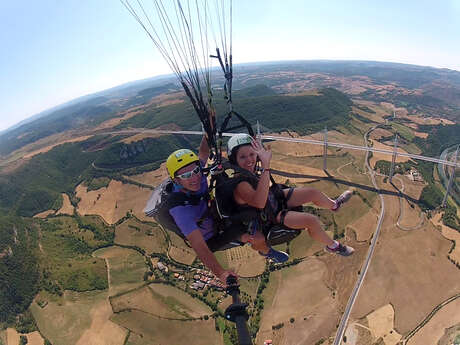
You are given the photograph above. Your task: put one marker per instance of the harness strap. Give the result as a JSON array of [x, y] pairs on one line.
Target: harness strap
[[283, 215], [289, 194]]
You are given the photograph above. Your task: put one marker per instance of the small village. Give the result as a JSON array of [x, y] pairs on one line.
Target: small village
[[202, 279]]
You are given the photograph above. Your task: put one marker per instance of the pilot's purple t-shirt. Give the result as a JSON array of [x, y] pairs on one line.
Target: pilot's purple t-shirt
[[191, 217]]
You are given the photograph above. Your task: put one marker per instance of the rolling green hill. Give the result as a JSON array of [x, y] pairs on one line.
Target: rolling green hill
[[303, 114]]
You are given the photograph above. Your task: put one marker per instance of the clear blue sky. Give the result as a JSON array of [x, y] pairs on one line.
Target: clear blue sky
[[54, 51]]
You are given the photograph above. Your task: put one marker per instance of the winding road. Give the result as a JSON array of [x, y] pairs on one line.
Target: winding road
[[401, 211]]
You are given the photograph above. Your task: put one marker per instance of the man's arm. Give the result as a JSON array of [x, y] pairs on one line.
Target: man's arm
[[206, 256], [203, 153]]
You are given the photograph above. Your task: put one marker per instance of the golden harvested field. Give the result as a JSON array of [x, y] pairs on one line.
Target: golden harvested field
[[412, 188], [378, 133], [151, 178], [450, 234], [410, 215], [351, 211], [113, 202], [245, 261], [179, 300], [134, 233], [364, 226], [183, 255], [377, 117], [381, 324], [117, 120], [67, 207], [102, 331], [35, 338], [179, 250], [299, 169], [380, 110], [126, 268], [294, 149], [377, 156], [298, 292], [12, 337], [421, 135], [156, 331], [78, 318], [403, 258], [446, 317], [303, 246], [420, 120], [161, 300]]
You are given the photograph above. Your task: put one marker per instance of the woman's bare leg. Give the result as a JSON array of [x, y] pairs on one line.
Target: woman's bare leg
[[300, 220], [305, 195]]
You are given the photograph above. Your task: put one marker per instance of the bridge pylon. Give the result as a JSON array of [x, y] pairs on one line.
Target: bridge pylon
[[325, 150], [393, 159], [451, 179]]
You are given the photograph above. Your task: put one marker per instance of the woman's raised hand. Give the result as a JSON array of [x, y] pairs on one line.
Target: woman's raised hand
[[265, 155]]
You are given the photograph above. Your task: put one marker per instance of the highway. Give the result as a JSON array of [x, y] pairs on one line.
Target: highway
[[351, 301]]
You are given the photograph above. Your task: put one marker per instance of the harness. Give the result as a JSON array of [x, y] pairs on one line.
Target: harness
[[227, 215], [164, 198], [247, 218]]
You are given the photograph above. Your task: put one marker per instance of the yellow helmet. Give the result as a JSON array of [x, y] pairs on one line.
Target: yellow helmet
[[179, 159]]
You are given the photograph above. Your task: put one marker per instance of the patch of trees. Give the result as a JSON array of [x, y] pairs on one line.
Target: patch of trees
[[26, 323], [450, 218], [84, 279], [278, 326], [277, 267], [431, 197], [384, 167], [19, 271], [101, 232], [439, 138], [23, 340], [37, 185], [66, 261]]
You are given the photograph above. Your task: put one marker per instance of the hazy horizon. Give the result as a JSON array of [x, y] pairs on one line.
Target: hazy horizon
[[57, 52]]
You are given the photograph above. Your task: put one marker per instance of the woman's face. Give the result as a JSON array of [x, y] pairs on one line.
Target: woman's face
[[246, 158]]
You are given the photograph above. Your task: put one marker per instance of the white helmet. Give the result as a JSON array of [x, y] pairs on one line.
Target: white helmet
[[236, 141]]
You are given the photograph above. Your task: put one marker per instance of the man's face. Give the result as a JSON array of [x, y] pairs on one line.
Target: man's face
[[189, 177]]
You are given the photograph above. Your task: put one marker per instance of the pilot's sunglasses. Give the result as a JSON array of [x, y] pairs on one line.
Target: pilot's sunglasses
[[190, 173]]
